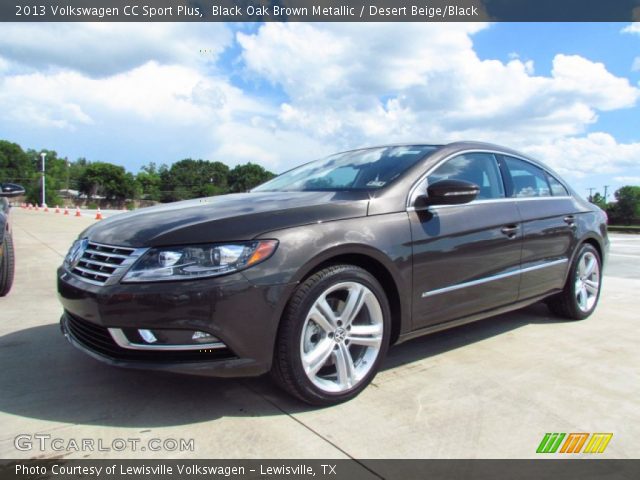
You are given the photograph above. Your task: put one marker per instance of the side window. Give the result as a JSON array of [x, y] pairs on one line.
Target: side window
[[557, 189], [527, 179], [478, 168]]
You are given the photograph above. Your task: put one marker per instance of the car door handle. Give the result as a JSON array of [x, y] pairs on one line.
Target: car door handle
[[510, 230], [570, 220]]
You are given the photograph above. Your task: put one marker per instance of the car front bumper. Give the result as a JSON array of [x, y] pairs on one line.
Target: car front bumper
[[244, 316]]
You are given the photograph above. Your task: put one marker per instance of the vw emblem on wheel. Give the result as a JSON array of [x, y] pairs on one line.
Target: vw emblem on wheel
[[339, 335]]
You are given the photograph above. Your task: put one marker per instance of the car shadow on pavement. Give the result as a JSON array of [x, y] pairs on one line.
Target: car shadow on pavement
[[44, 377]]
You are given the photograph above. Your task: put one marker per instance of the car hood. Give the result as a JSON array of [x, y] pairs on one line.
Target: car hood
[[233, 217]]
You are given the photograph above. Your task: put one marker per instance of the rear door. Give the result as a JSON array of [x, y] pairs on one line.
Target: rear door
[[548, 225], [465, 257]]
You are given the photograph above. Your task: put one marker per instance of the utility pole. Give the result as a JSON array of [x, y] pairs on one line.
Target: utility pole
[[44, 156], [606, 187], [591, 189]]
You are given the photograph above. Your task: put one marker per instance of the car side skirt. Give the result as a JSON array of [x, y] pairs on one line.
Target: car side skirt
[[473, 318]]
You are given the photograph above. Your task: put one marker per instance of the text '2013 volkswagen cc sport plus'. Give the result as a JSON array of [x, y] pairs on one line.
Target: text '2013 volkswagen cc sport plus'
[[313, 274]]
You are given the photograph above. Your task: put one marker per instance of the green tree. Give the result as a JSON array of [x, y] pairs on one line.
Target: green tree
[[628, 205], [108, 180], [244, 177], [15, 165], [599, 200], [149, 181], [190, 178]]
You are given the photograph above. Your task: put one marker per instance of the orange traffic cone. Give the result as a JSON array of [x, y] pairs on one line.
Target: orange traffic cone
[[78, 214], [66, 211], [44, 205], [98, 214], [57, 209], [37, 208]]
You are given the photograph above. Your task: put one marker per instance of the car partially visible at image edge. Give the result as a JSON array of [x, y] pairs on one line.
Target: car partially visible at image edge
[[7, 254]]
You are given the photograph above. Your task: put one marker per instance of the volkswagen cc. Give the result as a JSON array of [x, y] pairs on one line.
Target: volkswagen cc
[[314, 274]]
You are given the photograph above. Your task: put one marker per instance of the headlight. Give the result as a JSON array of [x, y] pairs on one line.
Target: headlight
[[198, 261]]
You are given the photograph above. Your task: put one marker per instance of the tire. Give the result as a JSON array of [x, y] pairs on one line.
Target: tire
[[321, 357], [581, 292], [7, 265]]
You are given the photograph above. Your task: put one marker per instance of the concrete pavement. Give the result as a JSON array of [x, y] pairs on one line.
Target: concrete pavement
[[486, 390]]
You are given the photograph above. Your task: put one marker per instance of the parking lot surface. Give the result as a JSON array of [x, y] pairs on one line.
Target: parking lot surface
[[491, 389]]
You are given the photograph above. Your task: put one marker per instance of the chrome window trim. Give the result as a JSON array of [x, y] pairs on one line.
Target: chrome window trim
[[121, 339], [411, 198], [492, 278], [488, 200]]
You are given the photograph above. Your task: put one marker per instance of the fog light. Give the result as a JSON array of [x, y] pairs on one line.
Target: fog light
[[204, 337], [148, 336]]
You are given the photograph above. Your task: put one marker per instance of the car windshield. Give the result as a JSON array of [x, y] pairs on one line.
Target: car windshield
[[368, 169]]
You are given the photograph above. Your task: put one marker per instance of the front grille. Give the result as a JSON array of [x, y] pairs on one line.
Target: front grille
[[99, 340], [99, 262]]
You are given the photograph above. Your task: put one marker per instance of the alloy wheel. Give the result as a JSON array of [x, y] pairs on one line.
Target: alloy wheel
[[341, 337], [587, 281]]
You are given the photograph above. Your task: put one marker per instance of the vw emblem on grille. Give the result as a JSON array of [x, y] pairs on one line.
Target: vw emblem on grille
[[78, 251]]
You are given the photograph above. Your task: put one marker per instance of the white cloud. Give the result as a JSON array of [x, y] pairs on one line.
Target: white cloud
[[122, 87], [102, 49], [632, 28], [597, 152], [635, 67], [628, 180], [361, 84]]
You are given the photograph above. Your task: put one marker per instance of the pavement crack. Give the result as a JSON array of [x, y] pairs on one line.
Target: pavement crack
[[312, 430]]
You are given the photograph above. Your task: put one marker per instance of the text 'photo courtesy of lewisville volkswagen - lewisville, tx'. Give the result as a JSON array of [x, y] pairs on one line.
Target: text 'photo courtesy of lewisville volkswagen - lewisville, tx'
[[319, 239]]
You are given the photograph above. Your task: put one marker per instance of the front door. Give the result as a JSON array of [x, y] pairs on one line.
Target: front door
[[466, 258]]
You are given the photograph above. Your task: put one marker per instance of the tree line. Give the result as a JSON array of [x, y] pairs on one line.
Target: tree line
[[625, 210], [182, 180]]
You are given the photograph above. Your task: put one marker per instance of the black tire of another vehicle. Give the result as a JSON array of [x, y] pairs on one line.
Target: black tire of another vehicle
[[7, 265], [566, 304], [288, 369]]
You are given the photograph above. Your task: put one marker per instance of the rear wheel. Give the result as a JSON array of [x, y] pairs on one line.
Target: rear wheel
[[581, 293], [333, 336], [7, 265]]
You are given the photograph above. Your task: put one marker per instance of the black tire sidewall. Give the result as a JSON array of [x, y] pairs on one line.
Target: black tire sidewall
[[7, 264], [338, 274]]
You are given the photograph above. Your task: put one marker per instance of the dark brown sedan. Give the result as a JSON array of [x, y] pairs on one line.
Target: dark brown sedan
[[312, 275]]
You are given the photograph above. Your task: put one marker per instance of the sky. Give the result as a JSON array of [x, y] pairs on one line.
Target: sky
[[280, 94]]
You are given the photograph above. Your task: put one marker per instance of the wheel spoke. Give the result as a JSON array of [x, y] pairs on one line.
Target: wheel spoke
[[589, 267], [344, 367], [582, 265], [316, 358], [355, 301], [365, 335], [582, 299], [323, 315], [591, 286]]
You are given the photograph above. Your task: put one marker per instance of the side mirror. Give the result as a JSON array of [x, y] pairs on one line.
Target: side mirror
[[11, 190], [451, 192]]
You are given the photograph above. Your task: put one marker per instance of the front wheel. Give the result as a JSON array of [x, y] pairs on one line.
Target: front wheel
[[581, 293], [334, 335], [7, 265]]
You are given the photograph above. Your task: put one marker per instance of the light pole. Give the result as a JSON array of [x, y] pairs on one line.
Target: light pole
[[44, 156]]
